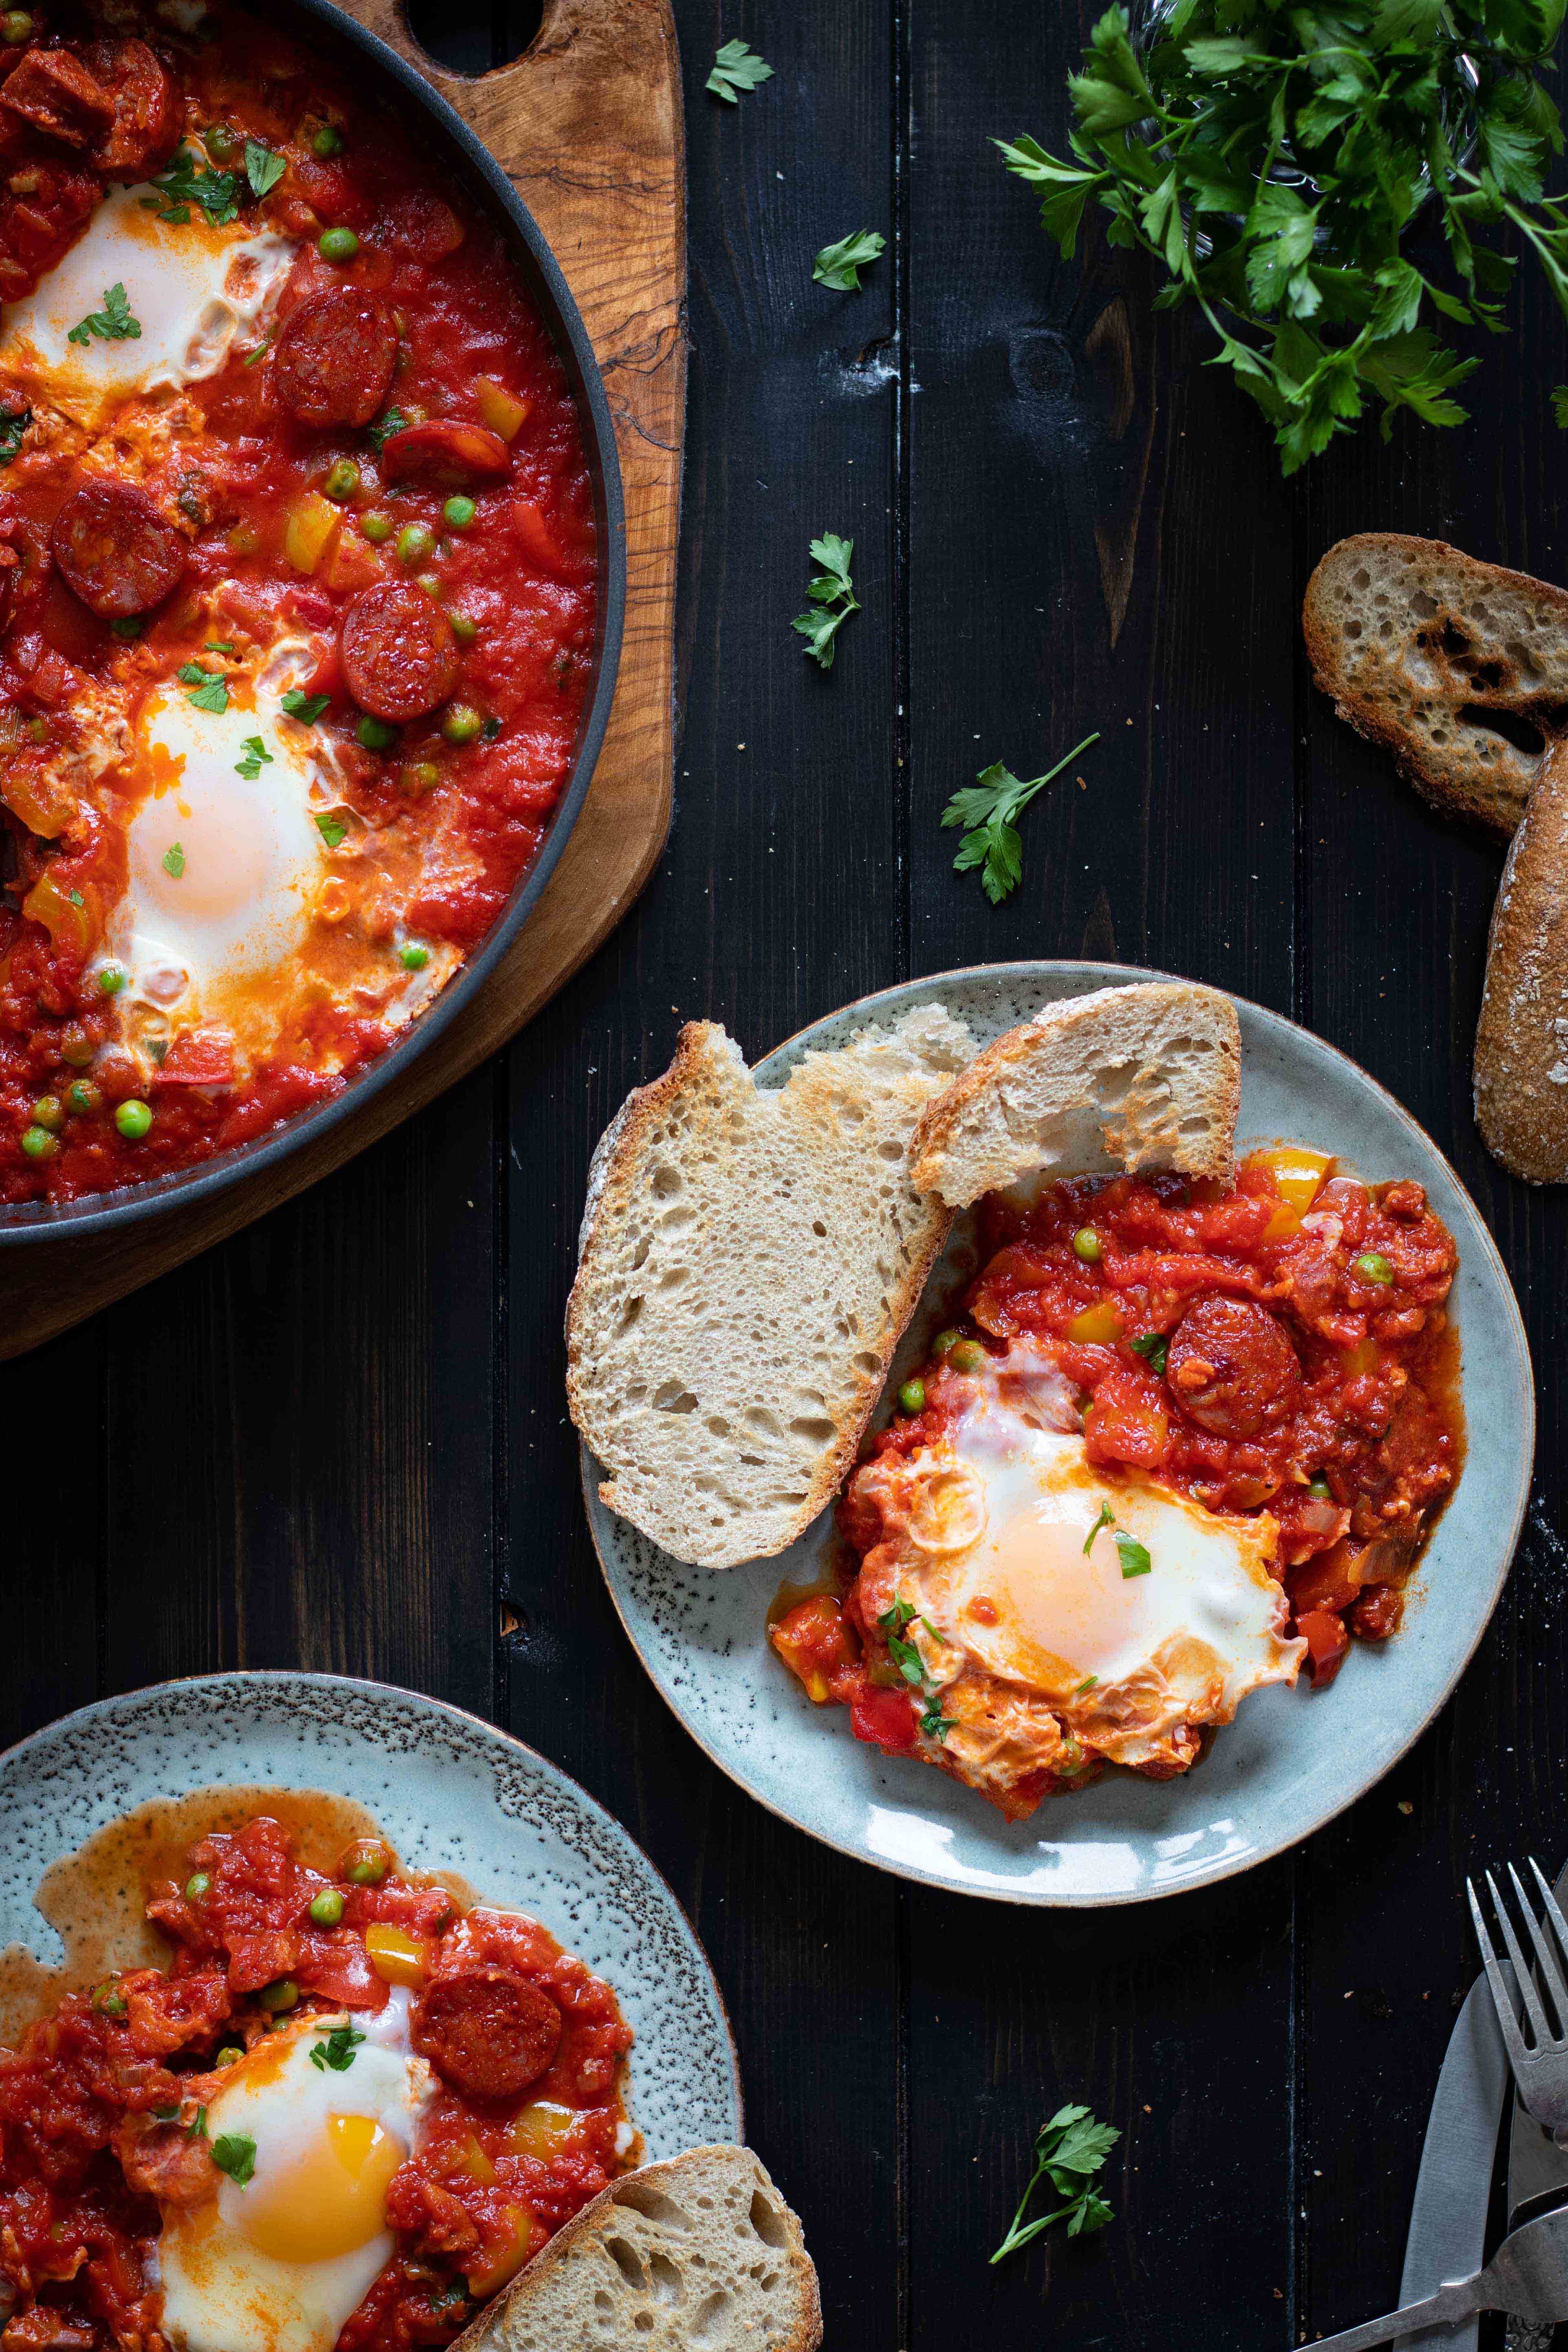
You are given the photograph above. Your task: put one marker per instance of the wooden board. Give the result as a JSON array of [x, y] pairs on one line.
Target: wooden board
[[600, 84]]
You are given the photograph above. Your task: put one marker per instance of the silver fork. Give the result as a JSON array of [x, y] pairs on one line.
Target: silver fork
[[1539, 2066], [1526, 2276]]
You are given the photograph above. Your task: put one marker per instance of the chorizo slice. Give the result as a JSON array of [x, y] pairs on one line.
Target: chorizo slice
[[334, 358], [149, 111], [1232, 1368], [399, 655], [487, 2031], [448, 457], [54, 91], [114, 550]]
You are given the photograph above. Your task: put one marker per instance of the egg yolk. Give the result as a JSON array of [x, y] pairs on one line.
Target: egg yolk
[[332, 2200]]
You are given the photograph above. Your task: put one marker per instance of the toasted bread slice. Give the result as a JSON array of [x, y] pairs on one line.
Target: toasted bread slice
[[1144, 1076], [747, 1266], [1522, 1042], [1416, 643], [699, 2254]]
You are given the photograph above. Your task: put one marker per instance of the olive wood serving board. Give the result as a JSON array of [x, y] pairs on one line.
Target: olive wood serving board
[[600, 86]]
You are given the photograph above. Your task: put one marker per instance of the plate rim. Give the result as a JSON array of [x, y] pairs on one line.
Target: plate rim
[[1226, 1867], [227, 1678]]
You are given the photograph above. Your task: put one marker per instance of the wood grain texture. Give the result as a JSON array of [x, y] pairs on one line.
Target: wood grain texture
[[589, 126]]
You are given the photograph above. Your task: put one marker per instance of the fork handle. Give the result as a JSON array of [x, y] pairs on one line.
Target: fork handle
[[1458, 2300]]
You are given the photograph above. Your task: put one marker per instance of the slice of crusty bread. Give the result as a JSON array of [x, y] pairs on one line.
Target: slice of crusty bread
[[699, 2254], [1144, 1076], [1415, 641], [1522, 1042], [747, 1265]]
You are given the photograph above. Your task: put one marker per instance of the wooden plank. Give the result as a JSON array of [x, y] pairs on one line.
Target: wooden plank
[[600, 84]]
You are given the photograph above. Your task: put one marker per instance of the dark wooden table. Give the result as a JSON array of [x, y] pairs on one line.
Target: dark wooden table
[[339, 1440]]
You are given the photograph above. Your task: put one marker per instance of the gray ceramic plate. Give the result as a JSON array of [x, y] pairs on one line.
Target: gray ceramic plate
[[451, 1793], [1292, 1759]]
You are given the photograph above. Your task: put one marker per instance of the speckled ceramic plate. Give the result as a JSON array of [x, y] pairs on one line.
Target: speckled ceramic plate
[[451, 1793], [1292, 1758]]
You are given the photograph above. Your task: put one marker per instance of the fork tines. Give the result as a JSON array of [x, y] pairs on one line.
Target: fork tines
[[1547, 2018]]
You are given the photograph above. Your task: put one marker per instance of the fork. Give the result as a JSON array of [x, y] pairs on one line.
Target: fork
[[1540, 2066], [1526, 2276]]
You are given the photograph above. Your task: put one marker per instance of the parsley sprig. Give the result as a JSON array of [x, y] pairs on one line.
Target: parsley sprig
[[188, 181], [1363, 108], [737, 68], [112, 324], [832, 595], [1069, 2151], [906, 1656], [14, 422], [337, 2051], [988, 809], [839, 266]]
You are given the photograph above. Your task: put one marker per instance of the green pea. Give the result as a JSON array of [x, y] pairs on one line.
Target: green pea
[[37, 730], [327, 1907], [130, 625], [133, 1119], [110, 980], [17, 26], [377, 528], [912, 1397], [463, 629], [944, 1343], [458, 512], [1086, 1246], [420, 776], [343, 480], [49, 1111], [367, 1863], [1372, 1267], [968, 1355], [326, 140], [84, 1097], [108, 1999], [460, 723], [275, 1998], [337, 245], [197, 1885], [38, 1143], [1322, 1489], [221, 141], [415, 541], [413, 958], [229, 2055], [375, 734], [76, 1045]]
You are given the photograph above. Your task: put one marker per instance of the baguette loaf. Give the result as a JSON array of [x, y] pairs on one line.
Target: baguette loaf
[[1521, 1041], [699, 2254]]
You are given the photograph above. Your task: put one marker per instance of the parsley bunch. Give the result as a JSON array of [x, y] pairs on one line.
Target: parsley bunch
[[1068, 2152], [1274, 159]]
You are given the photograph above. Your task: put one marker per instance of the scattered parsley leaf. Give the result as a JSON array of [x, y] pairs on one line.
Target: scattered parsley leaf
[[987, 809], [337, 2051], [197, 2126], [1153, 1346], [206, 690], [390, 421], [306, 708], [911, 1665], [112, 324], [14, 422], [263, 169], [737, 68], [217, 645], [1069, 2151], [257, 757], [331, 828], [76, 899], [1089, 1682], [839, 266], [832, 593], [235, 2153], [188, 182], [174, 860], [1134, 1556], [1107, 1519]]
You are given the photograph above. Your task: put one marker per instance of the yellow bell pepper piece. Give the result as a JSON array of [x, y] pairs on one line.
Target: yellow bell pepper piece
[[1297, 1173], [541, 2129], [525, 2236], [312, 523], [1282, 1225], [397, 1957], [1098, 1326], [477, 2164], [501, 410]]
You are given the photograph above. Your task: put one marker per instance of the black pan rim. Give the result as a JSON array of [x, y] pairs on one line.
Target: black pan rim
[[34, 1224]]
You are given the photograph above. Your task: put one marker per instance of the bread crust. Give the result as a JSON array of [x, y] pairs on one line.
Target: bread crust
[[1521, 1039], [1447, 650]]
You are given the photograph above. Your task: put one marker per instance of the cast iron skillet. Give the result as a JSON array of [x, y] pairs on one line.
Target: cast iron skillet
[[438, 127]]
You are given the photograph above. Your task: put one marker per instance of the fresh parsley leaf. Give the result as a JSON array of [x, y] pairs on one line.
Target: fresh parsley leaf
[[337, 2051], [206, 690], [1153, 1346], [832, 593], [306, 708], [112, 324], [906, 1656], [934, 1724], [257, 757], [1134, 1556], [1089, 1682], [197, 2126], [331, 828], [174, 860], [235, 2153], [391, 421], [1107, 1519], [14, 422], [217, 645], [1069, 2151], [737, 68], [263, 169], [187, 182], [839, 266], [987, 809]]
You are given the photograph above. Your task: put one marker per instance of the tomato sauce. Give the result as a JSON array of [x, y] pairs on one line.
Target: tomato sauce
[[102, 2098], [233, 483]]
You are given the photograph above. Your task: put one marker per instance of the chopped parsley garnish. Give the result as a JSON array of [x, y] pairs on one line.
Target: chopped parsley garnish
[[1107, 1519], [263, 169], [1153, 1346], [737, 68], [206, 690], [1089, 1682], [1068, 2152], [331, 828], [1134, 1558], [14, 422], [257, 757], [337, 2051], [986, 808], [832, 593], [306, 708], [390, 421], [174, 860], [839, 266], [235, 2153], [217, 645], [197, 2126], [189, 181], [910, 1664], [112, 324]]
